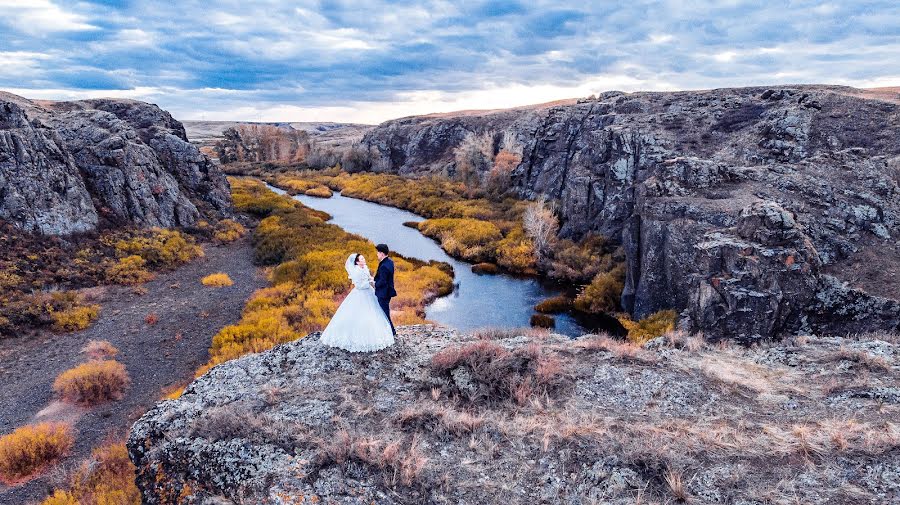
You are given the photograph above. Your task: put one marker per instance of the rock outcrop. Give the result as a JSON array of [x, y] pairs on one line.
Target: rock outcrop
[[756, 212], [67, 167], [443, 418]]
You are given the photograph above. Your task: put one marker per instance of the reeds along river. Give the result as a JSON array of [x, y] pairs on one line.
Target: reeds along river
[[499, 301]]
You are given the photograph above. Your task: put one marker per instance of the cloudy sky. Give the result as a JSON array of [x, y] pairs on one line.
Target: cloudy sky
[[371, 60]]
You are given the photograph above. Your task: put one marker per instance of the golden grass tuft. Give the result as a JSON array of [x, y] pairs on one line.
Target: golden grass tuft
[[217, 280], [30, 449], [554, 305], [92, 382], [655, 325]]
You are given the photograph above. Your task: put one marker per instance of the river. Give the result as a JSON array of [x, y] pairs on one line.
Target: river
[[479, 301]]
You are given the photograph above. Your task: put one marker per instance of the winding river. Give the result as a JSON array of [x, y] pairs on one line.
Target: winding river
[[479, 301]]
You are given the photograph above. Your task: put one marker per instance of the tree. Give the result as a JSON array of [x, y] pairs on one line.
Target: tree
[[541, 226]]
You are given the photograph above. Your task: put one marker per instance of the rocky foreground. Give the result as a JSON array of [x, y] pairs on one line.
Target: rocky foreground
[[69, 167], [444, 418], [754, 212]]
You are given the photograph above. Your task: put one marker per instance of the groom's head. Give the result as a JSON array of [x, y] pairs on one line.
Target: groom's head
[[382, 251]]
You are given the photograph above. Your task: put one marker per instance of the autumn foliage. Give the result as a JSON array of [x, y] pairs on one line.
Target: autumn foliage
[[31, 448]]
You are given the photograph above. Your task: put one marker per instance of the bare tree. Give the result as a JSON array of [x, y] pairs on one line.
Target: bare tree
[[541, 226]]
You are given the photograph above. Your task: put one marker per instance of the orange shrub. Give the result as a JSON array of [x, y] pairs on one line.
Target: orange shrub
[[554, 305], [217, 280], [655, 325], [99, 349], [106, 478], [92, 382], [29, 449]]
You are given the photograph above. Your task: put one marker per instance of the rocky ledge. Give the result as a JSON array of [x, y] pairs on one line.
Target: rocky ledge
[[534, 418], [754, 212], [68, 167]]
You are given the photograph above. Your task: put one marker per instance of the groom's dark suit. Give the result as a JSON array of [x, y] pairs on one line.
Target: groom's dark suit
[[384, 287]]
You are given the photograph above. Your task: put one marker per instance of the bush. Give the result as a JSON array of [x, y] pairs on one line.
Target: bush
[[75, 318], [92, 382], [603, 293], [129, 270], [160, 248], [542, 321], [655, 325], [106, 478], [217, 280], [485, 268], [554, 305], [469, 239], [228, 230], [29, 449], [99, 349]]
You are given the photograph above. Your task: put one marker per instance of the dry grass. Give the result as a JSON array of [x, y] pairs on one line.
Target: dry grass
[[862, 358], [92, 382], [555, 305], [402, 461], [542, 321], [623, 350], [497, 374], [99, 349], [29, 449], [229, 231], [75, 318], [675, 481], [217, 280]]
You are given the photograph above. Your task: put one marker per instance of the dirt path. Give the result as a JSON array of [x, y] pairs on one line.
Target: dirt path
[[155, 355]]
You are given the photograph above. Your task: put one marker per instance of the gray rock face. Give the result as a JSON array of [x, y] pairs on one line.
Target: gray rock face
[[735, 206], [67, 166], [306, 423]]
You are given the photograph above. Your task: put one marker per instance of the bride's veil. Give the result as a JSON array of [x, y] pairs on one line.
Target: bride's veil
[[350, 264]]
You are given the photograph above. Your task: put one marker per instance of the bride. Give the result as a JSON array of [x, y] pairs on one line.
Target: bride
[[359, 325]]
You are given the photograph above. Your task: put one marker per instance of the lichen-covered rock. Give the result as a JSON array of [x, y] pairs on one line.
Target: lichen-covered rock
[[810, 420], [66, 167], [732, 205]]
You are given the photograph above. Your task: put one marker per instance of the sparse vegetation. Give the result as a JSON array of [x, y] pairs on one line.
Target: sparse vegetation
[[160, 248], [30, 449], [93, 382], [603, 293], [75, 317], [217, 280]]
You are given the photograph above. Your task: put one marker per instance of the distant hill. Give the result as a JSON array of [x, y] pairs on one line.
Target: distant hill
[[334, 135]]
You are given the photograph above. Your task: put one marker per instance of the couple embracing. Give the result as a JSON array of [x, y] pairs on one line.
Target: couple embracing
[[363, 321]]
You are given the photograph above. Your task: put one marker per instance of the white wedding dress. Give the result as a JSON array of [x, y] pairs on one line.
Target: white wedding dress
[[359, 325]]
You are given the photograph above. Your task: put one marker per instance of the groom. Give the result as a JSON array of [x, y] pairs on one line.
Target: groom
[[384, 282]]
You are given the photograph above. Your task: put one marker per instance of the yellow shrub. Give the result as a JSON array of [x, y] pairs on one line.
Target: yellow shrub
[[106, 478], [75, 318], [217, 280], [92, 382], [31, 448], [129, 270], [9, 280], [655, 325], [228, 230], [160, 248], [603, 293], [470, 239], [516, 252]]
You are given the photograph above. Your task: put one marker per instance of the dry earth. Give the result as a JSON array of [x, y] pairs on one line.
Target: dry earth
[[157, 357]]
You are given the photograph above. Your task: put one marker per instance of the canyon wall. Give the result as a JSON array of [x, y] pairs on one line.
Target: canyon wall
[[754, 211], [69, 167]]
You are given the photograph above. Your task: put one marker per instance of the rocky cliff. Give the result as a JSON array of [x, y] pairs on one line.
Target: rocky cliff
[[444, 418], [756, 212], [67, 167]]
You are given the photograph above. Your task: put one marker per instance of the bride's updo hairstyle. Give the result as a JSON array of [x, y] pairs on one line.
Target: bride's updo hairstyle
[[356, 259]]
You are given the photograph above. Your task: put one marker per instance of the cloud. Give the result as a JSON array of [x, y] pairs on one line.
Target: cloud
[[372, 60]]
